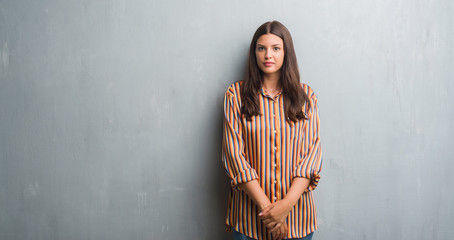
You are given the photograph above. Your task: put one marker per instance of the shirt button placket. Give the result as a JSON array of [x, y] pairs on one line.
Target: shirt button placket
[[276, 147], [274, 157]]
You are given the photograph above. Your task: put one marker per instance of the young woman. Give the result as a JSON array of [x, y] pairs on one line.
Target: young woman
[[271, 143]]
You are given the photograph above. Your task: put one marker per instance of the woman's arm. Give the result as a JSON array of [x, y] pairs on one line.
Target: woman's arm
[[254, 191], [278, 229], [298, 187], [311, 164], [275, 214], [278, 211], [233, 154]]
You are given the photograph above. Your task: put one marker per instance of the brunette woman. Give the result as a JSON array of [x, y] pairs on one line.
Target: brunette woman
[[271, 143]]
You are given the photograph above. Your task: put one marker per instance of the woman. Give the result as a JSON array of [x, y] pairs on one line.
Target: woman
[[271, 143]]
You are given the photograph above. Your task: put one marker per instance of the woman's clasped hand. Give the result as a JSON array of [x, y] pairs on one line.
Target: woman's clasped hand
[[274, 218]]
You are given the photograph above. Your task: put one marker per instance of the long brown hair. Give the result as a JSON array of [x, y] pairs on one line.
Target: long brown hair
[[294, 96]]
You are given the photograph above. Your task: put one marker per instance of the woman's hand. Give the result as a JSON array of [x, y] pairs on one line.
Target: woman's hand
[[275, 213], [274, 218], [279, 231]]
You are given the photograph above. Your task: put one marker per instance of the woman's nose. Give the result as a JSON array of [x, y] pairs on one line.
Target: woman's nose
[[267, 55]]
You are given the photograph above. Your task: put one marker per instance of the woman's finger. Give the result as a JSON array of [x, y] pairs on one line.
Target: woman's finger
[[275, 228], [283, 232], [266, 210], [266, 221], [270, 225], [265, 216], [276, 233]]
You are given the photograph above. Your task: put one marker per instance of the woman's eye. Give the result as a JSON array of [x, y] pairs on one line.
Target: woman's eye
[[276, 48], [260, 48]]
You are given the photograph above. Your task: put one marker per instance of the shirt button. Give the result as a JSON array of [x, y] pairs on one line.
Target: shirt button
[[273, 115], [275, 148], [275, 181], [275, 198], [275, 131]]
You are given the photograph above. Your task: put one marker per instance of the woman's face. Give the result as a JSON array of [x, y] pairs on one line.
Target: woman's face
[[269, 52]]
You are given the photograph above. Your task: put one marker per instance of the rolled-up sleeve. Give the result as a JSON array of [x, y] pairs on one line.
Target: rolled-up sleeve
[[310, 165], [233, 155]]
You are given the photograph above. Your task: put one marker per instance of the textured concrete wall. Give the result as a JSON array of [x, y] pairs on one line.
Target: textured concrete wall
[[111, 115]]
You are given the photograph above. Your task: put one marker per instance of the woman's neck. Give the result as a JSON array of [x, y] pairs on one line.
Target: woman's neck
[[271, 82]]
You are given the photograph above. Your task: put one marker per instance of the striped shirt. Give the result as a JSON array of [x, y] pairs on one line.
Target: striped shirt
[[273, 151]]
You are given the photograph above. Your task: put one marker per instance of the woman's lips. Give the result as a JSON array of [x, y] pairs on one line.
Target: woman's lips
[[268, 64]]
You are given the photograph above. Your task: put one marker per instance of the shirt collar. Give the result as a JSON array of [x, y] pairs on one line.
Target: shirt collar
[[266, 94]]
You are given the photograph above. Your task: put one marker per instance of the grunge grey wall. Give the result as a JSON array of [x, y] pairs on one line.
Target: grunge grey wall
[[111, 115]]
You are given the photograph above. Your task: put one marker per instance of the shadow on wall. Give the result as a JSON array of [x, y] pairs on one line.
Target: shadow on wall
[[219, 183]]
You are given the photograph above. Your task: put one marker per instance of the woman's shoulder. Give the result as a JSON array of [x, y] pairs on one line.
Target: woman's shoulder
[[308, 90], [234, 89]]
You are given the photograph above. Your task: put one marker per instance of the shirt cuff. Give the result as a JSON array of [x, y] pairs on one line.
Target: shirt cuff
[[314, 177], [244, 177]]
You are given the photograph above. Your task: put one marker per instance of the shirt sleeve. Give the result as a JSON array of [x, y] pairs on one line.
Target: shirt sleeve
[[311, 163], [233, 155]]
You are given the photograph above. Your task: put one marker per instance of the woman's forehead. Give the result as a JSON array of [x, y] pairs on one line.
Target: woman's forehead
[[269, 39]]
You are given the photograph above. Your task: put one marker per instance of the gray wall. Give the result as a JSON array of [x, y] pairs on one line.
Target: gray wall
[[111, 115]]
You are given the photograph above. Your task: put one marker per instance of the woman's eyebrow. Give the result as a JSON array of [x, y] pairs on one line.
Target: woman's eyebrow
[[277, 44]]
